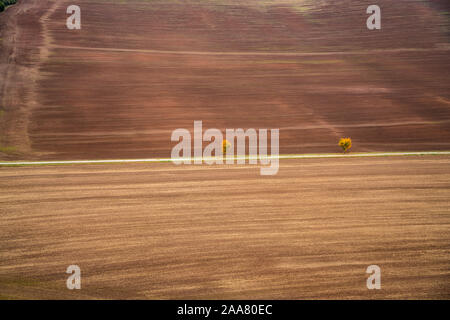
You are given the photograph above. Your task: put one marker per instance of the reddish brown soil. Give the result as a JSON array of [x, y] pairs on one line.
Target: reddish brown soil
[[198, 232], [387, 89]]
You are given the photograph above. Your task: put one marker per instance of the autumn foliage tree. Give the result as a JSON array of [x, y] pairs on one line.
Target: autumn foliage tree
[[225, 146], [345, 144]]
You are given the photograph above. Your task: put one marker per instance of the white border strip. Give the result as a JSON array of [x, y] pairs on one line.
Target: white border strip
[[293, 156]]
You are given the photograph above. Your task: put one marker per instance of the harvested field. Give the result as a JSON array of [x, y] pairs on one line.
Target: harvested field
[[161, 231]]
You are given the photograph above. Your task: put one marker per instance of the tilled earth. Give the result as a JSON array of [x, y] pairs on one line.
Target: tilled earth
[[137, 70], [207, 232]]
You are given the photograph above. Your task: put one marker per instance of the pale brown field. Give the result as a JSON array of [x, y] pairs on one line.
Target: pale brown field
[[162, 231]]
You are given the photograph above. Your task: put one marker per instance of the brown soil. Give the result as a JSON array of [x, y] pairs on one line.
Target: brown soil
[[194, 232], [138, 70]]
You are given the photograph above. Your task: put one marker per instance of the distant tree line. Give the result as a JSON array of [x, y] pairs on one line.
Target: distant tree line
[[5, 3]]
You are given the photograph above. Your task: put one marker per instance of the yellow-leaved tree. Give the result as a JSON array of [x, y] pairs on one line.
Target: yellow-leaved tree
[[345, 144], [225, 146]]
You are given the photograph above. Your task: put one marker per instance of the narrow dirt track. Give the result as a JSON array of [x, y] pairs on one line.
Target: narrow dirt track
[[162, 231]]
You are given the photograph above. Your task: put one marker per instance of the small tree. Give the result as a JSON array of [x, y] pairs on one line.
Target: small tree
[[345, 144], [225, 146]]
